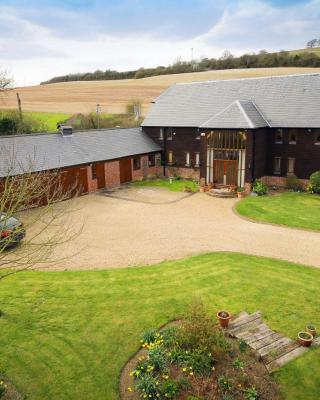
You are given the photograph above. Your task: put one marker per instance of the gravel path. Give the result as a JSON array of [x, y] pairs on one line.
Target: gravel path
[[147, 225]]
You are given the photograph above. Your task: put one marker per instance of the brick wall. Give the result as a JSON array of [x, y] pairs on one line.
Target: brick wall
[[92, 183], [145, 171], [280, 181], [112, 174], [186, 173]]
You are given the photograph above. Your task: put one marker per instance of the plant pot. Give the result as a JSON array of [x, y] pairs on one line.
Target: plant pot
[[241, 195], [224, 318], [202, 189], [312, 331], [305, 339]]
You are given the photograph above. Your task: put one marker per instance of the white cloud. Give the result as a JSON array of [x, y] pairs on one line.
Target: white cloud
[[33, 52]]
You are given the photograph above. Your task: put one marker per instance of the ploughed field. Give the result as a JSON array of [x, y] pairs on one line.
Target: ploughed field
[[67, 335], [113, 95]]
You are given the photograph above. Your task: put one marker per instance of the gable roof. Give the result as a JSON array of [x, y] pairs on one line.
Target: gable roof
[[239, 114], [38, 152], [282, 101]]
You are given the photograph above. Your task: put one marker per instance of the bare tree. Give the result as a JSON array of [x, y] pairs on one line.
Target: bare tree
[[6, 81], [36, 198], [313, 43]]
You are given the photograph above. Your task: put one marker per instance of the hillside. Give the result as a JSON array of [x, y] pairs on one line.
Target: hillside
[[315, 50], [113, 95]]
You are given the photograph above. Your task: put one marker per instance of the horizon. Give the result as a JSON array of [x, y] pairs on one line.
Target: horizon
[[53, 38]]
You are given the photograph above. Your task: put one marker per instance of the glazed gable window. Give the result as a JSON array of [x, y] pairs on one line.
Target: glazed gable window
[[277, 165], [279, 136]]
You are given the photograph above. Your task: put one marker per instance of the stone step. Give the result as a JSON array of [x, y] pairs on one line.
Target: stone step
[[279, 362]]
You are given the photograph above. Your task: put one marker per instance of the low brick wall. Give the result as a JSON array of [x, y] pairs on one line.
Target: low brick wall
[[186, 173], [146, 172], [281, 181]]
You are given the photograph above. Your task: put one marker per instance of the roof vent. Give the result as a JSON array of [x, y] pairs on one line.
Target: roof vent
[[65, 130]]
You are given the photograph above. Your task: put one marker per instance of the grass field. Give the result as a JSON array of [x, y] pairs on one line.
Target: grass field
[[315, 50], [75, 97], [66, 335], [176, 185], [300, 210], [50, 120]]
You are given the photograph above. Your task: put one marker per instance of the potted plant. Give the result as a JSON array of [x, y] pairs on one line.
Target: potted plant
[[310, 328], [240, 192], [305, 339], [224, 318]]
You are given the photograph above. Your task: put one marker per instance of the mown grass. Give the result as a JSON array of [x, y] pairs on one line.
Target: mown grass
[[66, 335], [174, 185], [300, 210]]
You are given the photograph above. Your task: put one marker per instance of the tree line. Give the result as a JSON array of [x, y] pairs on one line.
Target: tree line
[[227, 61]]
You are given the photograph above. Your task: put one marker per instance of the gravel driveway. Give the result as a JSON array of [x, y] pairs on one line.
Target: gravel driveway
[[138, 226]]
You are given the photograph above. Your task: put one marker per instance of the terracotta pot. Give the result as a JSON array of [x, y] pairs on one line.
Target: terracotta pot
[[202, 189], [312, 332], [224, 318], [241, 195], [305, 339]]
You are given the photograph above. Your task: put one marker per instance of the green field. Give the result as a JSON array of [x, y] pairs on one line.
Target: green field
[[49, 120], [315, 50], [66, 335], [175, 185], [299, 210]]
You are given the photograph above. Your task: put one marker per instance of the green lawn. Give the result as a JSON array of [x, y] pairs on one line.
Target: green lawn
[[176, 185], [293, 209], [66, 335]]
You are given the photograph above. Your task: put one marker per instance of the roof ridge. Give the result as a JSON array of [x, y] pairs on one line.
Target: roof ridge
[[244, 113], [219, 113]]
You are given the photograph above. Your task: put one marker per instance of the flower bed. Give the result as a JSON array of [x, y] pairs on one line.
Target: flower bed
[[194, 360]]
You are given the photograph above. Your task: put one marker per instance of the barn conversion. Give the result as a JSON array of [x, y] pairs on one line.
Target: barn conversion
[[90, 160], [232, 132]]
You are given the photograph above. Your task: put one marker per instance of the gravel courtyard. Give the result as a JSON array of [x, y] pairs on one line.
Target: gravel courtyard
[[137, 226]]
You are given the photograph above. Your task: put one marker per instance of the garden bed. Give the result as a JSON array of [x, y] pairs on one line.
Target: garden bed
[[193, 359]]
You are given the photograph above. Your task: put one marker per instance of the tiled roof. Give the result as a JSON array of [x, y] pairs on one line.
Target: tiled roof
[[282, 101]]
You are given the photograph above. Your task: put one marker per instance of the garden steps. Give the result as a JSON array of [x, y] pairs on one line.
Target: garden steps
[[272, 348]]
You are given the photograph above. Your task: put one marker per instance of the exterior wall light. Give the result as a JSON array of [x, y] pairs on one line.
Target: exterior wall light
[[203, 134]]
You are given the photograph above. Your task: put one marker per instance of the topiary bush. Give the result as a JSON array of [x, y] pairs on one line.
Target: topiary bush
[[314, 186]]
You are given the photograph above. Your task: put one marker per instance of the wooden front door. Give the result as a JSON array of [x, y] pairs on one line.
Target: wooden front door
[[125, 170], [225, 171], [100, 175]]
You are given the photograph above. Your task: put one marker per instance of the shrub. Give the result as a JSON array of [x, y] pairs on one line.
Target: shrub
[[293, 183], [259, 188], [314, 186]]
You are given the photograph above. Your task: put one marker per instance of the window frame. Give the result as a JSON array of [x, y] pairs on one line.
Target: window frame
[[278, 131], [275, 172], [293, 141], [161, 134], [188, 158], [197, 158], [294, 165], [93, 171], [151, 160], [170, 134], [134, 166], [170, 157], [317, 138]]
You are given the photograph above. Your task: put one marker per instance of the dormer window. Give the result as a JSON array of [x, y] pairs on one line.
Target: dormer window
[[279, 136]]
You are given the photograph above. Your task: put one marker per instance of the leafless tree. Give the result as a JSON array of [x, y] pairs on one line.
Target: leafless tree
[[37, 200], [5, 80]]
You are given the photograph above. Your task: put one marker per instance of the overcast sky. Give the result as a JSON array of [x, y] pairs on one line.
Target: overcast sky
[[42, 39]]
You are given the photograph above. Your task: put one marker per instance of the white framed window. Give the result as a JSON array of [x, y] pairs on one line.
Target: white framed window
[[279, 136], [161, 134], [291, 164], [197, 164], [170, 157], [187, 159], [169, 134], [277, 165], [292, 138]]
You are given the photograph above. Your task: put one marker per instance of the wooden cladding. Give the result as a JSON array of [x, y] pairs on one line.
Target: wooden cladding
[[226, 158]]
